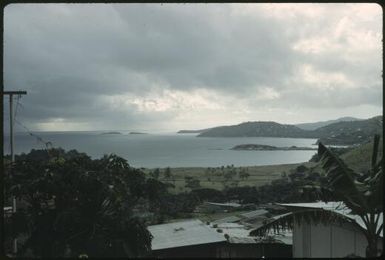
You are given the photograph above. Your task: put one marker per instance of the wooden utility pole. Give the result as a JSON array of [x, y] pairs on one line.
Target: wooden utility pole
[[11, 93]]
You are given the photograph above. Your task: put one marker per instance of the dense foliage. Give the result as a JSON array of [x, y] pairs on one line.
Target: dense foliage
[[69, 204], [288, 188]]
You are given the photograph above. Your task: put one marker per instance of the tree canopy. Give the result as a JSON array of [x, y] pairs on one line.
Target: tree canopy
[[70, 205]]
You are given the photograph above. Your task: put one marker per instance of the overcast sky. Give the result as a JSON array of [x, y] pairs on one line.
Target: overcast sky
[[190, 66]]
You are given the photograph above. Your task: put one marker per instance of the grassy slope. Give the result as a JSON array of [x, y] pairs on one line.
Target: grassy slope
[[360, 158], [259, 175]]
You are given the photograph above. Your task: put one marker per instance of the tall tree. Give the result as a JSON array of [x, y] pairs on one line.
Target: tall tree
[[73, 205]]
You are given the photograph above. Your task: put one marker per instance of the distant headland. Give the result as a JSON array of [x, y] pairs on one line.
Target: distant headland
[[112, 133]]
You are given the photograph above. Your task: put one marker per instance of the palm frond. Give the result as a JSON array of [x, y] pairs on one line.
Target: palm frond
[[376, 142], [342, 181], [377, 191], [284, 222]]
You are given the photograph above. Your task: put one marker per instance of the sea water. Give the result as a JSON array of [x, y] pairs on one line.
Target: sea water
[[169, 149]]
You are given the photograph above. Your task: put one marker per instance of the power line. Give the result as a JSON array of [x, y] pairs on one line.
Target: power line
[[47, 144]]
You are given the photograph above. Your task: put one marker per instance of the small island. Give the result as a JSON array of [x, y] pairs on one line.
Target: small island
[[192, 131], [136, 133], [112, 133], [262, 147]]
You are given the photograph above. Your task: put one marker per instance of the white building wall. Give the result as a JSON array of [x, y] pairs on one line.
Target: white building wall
[[297, 240], [306, 239], [318, 240], [320, 237], [344, 241]]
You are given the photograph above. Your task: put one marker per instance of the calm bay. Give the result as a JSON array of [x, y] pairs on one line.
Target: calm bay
[[169, 149]]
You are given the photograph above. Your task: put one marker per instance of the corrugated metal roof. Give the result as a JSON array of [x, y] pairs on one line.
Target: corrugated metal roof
[[254, 213], [235, 205], [230, 225], [236, 232], [337, 207], [185, 233], [319, 204], [280, 216], [227, 220]]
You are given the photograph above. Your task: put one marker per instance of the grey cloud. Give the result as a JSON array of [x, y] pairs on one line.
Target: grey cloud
[[334, 98], [67, 56]]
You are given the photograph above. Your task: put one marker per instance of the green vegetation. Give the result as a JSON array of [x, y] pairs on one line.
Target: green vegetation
[[315, 125], [263, 147], [358, 158], [267, 129], [219, 178], [340, 133], [361, 192], [71, 205], [349, 133]]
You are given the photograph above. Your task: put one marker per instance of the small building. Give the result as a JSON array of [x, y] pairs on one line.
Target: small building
[[241, 244], [339, 237], [189, 238], [193, 238]]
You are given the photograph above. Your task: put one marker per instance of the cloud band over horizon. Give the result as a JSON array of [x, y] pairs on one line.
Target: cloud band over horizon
[[191, 66]]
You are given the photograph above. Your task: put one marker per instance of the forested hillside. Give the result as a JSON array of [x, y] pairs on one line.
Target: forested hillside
[[340, 133]]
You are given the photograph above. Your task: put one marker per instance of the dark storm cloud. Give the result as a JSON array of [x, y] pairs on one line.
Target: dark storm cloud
[[72, 58], [190, 46]]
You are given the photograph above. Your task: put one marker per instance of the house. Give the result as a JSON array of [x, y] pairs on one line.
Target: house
[[251, 248], [193, 238], [332, 238], [241, 244], [188, 238]]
